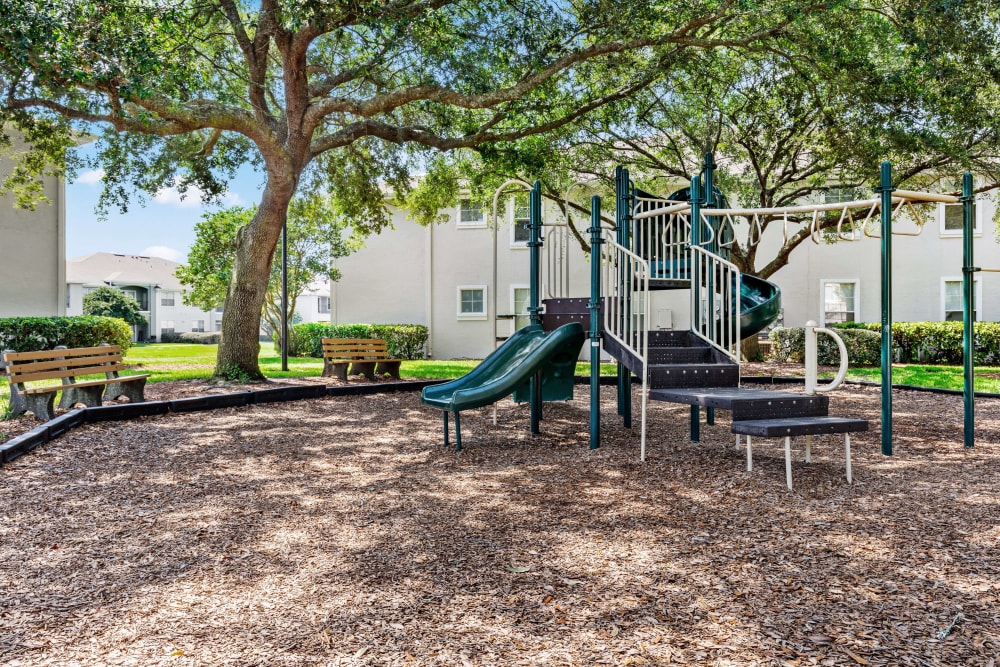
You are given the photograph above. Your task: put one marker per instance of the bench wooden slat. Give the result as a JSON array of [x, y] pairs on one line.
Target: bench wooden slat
[[363, 354], [92, 383], [72, 352], [71, 372], [73, 362]]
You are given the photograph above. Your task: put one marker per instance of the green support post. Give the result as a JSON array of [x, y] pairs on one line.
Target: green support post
[[968, 311], [695, 423], [534, 307], [885, 189], [595, 324], [695, 261], [623, 219]]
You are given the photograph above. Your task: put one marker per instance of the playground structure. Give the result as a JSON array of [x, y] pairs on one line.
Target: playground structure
[[682, 242]]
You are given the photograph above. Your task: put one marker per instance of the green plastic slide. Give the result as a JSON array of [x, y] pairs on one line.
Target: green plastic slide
[[760, 304], [511, 367]]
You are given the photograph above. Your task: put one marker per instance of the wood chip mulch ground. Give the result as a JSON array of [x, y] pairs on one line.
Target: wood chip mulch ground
[[338, 531]]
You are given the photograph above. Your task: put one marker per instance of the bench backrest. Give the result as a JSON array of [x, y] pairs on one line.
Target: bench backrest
[[355, 348], [24, 367]]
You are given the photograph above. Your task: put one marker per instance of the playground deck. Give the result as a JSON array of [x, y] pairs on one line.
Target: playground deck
[[339, 531]]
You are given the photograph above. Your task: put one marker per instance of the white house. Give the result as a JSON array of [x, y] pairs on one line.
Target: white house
[[150, 280], [470, 286]]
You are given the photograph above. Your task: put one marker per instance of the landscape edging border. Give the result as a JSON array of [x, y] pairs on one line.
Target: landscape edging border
[[45, 433], [48, 431]]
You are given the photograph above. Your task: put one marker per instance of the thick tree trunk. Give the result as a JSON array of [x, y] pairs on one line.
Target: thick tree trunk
[[255, 245]]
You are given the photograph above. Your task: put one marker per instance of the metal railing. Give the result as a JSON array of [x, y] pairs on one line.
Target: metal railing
[[557, 253], [625, 279], [715, 306]]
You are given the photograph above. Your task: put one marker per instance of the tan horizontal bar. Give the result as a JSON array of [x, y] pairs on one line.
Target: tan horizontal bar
[[666, 210], [925, 196], [72, 352]]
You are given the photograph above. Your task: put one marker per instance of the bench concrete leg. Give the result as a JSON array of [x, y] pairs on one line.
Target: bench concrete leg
[[809, 441], [17, 406], [749, 455], [335, 369], [390, 367], [788, 461], [89, 396], [41, 405], [847, 450], [366, 368], [134, 390]]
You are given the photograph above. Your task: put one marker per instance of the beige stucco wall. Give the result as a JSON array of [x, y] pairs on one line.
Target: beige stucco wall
[[33, 251]]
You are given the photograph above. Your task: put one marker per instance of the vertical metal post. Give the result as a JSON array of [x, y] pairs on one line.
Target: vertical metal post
[[708, 168], [885, 189], [968, 311], [284, 296], [534, 307], [624, 221], [695, 258], [595, 323], [621, 192]]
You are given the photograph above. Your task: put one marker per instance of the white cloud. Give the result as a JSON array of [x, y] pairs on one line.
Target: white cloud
[[91, 177], [191, 197], [163, 252]]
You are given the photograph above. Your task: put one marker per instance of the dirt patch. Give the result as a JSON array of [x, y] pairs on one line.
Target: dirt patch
[[338, 531]]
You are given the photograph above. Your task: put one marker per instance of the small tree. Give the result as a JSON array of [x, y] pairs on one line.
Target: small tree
[[316, 236], [110, 302]]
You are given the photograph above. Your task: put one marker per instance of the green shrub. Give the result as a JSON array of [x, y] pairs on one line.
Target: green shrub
[[405, 341], [202, 337], [28, 334], [936, 342], [864, 348]]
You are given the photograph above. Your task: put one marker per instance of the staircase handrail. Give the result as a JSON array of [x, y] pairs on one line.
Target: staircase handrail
[[720, 326], [627, 274]]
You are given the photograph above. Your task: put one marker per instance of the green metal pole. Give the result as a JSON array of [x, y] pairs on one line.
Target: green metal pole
[[595, 324], [624, 220], [621, 216], [695, 260], [968, 310], [885, 189], [534, 307]]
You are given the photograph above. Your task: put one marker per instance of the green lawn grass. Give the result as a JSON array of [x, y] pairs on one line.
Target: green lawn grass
[[940, 377]]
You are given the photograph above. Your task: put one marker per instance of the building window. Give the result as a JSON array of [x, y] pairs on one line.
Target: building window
[[166, 328], [519, 232], [472, 302], [219, 309], [950, 215], [838, 195], [470, 214], [198, 326], [323, 305], [951, 299], [519, 296], [167, 298], [840, 301], [132, 293]]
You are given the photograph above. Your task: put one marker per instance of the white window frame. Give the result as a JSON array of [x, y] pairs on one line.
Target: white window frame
[[512, 220], [513, 304], [477, 224], [458, 302], [977, 289], [977, 220], [168, 295], [166, 325], [320, 303], [822, 297], [197, 326]]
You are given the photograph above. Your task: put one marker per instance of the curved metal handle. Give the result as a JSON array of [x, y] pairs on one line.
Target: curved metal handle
[[842, 372]]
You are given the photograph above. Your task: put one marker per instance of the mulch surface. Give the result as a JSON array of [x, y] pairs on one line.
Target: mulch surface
[[338, 531]]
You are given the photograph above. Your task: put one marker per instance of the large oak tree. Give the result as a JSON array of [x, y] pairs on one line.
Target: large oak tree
[[344, 96]]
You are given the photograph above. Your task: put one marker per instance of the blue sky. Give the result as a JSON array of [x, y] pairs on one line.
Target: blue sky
[[164, 227]]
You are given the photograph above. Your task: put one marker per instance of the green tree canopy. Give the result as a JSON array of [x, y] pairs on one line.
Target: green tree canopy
[[341, 97], [316, 236], [111, 302]]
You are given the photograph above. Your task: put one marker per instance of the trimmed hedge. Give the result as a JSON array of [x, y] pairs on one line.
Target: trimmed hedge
[[405, 341], [863, 347], [29, 334], [202, 337], [912, 343]]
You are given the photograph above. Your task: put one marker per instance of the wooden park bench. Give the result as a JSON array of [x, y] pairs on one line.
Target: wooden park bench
[[366, 356], [66, 365]]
